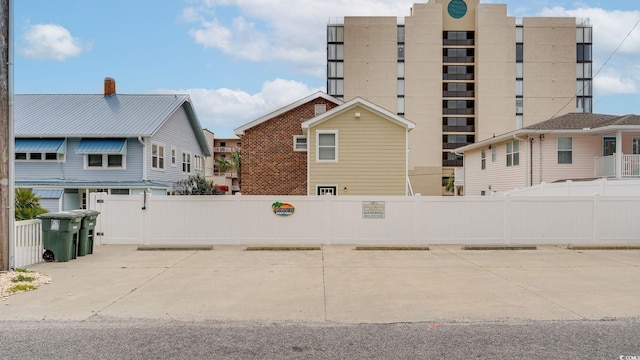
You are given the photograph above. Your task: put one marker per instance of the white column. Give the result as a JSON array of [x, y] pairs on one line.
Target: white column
[[618, 154]]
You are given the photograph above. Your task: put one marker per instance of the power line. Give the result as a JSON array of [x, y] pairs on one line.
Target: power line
[[601, 67]]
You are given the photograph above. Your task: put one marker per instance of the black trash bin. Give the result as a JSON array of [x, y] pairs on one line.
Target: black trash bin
[[88, 225], [60, 233]]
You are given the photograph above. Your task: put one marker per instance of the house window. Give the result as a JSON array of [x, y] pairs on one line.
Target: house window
[[494, 153], [565, 150], [199, 163], [104, 161], [636, 146], [186, 163], [327, 146], [326, 190], [174, 153], [30, 149], [513, 153], [37, 156], [299, 143], [157, 157], [483, 159], [320, 109]]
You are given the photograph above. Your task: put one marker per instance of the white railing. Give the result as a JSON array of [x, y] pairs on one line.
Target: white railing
[[605, 166], [28, 245], [631, 165], [225, 149]]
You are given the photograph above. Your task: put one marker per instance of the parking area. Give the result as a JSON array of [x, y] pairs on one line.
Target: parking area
[[336, 283]]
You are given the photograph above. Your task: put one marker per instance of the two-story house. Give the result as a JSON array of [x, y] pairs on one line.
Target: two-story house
[[68, 145], [322, 146]]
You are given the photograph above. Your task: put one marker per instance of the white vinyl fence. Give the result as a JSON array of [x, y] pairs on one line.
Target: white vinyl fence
[[27, 245], [199, 220]]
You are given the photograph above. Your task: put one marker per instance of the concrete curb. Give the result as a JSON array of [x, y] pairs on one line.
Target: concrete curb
[[499, 247], [175, 247]]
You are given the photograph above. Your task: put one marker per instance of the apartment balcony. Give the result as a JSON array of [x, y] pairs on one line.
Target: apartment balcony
[[467, 128], [228, 175], [225, 149], [458, 94], [458, 59], [605, 166]]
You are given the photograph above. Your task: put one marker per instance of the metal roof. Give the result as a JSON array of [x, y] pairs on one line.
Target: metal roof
[[101, 146], [59, 115], [39, 145], [48, 193], [97, 115]]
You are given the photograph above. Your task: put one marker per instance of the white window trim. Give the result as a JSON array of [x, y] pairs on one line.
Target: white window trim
[[483, 159], [565, 150], [494, 153], [199, 163], [105, 162], [190, 162], [513, 153], [318, 133], [163, 157], [60, 157], [174, 156], [295, 142]]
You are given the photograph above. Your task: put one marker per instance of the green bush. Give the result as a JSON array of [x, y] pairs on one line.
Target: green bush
[[27, 205]]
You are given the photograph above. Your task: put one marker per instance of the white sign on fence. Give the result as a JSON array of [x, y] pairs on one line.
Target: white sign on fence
[[373, 209]]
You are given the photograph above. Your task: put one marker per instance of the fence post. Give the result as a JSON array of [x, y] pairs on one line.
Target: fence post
[[505, 218], [596, 218]]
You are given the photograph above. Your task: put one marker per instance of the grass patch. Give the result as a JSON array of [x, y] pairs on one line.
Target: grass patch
[[21, 270], [21, 287], [22, 278]]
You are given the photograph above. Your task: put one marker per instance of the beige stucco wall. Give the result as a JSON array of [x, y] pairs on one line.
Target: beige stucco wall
[[495, 71], [371, 155], [371, 60], [549, 68]]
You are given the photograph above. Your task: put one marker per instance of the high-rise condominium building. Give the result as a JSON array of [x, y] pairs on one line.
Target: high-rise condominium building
[[463, 72]]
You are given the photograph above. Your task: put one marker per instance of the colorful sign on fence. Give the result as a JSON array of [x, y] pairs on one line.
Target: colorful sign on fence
[[282, 209]]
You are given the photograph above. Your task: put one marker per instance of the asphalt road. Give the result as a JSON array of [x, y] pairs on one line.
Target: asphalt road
[[105, 338]]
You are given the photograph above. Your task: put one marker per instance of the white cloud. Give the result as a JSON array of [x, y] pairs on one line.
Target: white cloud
[[273, 31], [223, 110], [610, 28], [51, 42]]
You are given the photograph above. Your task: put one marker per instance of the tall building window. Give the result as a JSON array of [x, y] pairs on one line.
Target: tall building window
[[519, 77], [401, 89], [335, 61], [584, 69]]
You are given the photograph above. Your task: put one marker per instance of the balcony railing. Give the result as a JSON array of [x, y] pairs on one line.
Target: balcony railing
[[225, 149], [605, 166]]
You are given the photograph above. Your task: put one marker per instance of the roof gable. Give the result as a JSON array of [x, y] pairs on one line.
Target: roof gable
[[384, 113], [240, 130]]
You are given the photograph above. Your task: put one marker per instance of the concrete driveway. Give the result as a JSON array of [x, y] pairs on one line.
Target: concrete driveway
[[336, 284]]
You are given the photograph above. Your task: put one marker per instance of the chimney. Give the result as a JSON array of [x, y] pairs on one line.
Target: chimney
[[109, 86]]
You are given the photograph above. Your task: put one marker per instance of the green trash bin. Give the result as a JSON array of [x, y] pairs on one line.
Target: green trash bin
[[60, 232], [87, 227]]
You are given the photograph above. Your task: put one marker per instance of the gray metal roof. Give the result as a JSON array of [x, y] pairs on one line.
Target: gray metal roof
[[60, 115]]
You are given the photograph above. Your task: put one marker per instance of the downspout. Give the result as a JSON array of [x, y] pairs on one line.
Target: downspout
[[527, 168], [144, 158], [541, 157], [531, 141], [408, 188]]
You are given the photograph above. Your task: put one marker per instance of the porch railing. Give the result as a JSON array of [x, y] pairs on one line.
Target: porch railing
[[605, 166], [28, 245]]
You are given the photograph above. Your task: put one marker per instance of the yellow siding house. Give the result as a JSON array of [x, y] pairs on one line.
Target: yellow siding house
[[357, 148]]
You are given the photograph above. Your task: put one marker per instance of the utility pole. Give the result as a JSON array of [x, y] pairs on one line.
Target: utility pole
[[5, 138]]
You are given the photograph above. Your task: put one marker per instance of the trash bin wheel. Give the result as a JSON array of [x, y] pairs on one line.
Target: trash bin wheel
[[48, 256]]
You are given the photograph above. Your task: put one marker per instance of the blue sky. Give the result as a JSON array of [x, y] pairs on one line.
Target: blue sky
[[240, 59]]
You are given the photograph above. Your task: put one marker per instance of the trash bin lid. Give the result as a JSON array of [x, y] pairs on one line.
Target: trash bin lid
[[61, 215], [87, 212]]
